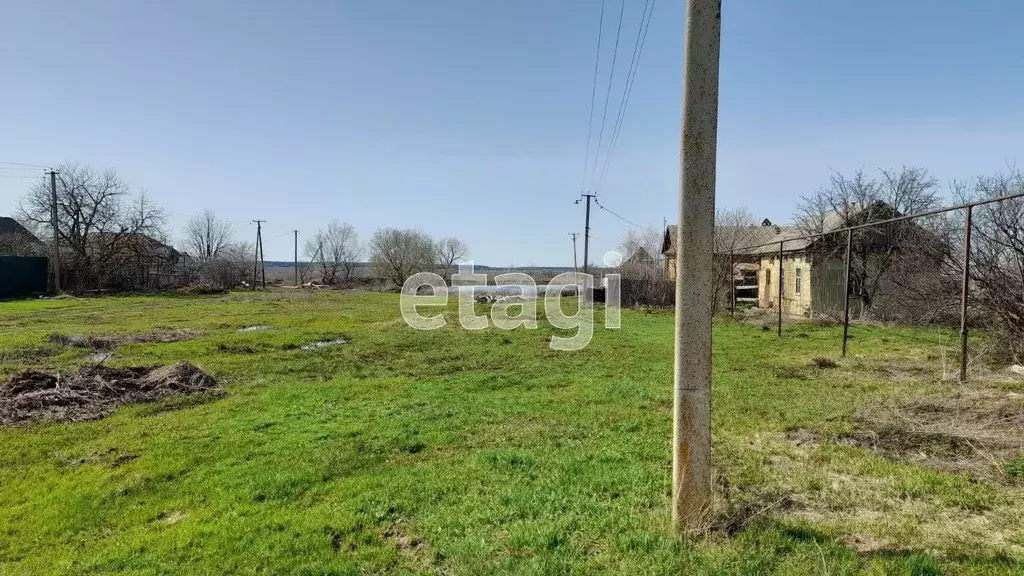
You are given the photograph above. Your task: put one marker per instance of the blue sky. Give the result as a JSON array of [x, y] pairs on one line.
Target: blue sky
[[469, 118]]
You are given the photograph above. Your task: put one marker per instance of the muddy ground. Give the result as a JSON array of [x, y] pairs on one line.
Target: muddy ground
[[93, 391]]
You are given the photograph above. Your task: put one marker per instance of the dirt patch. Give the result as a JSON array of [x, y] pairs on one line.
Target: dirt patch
[[973, 431], [93, 391], [111, 341]]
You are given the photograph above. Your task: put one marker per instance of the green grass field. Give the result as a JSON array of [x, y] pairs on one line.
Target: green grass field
[[456, 452]]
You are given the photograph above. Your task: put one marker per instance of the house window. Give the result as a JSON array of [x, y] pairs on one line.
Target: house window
[[767, 279], [798, 280]]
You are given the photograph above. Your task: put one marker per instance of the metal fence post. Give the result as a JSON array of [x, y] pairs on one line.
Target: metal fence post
[[732, 284], [846, 291], [779, 280], [964, 295]]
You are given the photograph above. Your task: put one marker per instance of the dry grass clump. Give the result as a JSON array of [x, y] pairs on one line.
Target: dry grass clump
[[973, 431], [111, 341]]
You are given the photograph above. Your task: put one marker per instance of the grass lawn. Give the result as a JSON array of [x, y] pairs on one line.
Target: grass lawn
[[456, 452]]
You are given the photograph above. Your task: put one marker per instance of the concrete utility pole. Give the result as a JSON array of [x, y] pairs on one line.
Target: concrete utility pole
[[296, 257], [575, 266], [691, 438], [586, 232], [56, 231]]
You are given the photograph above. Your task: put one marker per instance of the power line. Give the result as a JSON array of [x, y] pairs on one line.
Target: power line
[[23, 164], [627, 88], [623, 218], [608, 92], [593, 98]]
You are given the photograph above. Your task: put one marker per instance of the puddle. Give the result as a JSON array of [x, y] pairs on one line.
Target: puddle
[[323, 344], [101, 357], [255, 328]]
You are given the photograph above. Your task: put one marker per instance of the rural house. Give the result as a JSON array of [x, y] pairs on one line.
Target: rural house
[[24, 268], [812, 271], [640, 264], [16, 240], [726, 237], [136, 261]]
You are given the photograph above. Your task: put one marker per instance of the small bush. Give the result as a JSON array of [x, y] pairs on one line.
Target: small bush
[[822, 362], [201, 290]]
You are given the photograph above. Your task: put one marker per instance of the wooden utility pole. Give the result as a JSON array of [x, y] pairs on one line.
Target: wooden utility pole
[[258, 263], [586, 231], [296, 256], [691, 433], [575, 266], [56, 231]]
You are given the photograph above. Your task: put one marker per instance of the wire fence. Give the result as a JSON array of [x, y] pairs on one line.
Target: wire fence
[[960, 266]]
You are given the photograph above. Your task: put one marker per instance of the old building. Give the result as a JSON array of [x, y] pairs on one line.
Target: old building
[[890, 263]]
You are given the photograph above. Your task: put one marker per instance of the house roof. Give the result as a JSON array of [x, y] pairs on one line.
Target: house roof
[[752, 235], [641, 256], [139, 241], [11, 226]]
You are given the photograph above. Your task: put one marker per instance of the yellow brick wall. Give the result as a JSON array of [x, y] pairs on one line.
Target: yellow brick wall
[[670, 267], [768, 289]]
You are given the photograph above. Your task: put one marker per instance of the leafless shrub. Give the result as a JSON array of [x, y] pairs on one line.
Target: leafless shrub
[[335, 250], [997, 259], [398, 254]]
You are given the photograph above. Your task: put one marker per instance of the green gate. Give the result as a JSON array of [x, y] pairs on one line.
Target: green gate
[[22, 276]]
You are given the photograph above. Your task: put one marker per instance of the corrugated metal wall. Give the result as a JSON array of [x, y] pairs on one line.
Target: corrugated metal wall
[[22, 276]]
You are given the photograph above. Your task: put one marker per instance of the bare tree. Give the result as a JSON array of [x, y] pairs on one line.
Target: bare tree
[[97, 223], [231, 267], [734, 229], [397, 254], [877, 252], [647, 239], [336, 250], [997, 258], [449, 253], [305, 272], [206, 236]]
